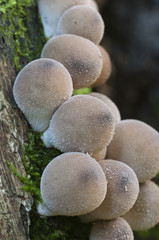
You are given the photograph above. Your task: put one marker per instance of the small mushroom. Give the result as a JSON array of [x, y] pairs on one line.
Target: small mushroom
[[106, 68], [83, 21], [99, 155], [145, 212], [116, 229], [51, 10], [136, 144], [122, 191], [79, 55], [82, 124], [73, 184], [110, 103], [39, 89]]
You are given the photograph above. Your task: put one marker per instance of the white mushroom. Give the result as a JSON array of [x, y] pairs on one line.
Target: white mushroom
[[79, 55], [39, 89], [116, 229], [122, 191], [136, 144], [82, 124], [83, 21], [73, 184]]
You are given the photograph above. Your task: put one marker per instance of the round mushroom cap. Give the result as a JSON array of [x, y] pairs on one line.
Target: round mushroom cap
[[79, 55], [122, 191], [110, 103], [93, 4], [44, 210], [82, 124], [99, 155], [106, 68], [136, 144], [51, 10], [83, 21], [73, 184], [116, 229], [145, 212], [39, 89]]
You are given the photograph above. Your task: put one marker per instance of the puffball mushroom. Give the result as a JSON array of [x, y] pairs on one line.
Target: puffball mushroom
[[79, 55], [51, 10], [73, 184], [82, 124], [39, 89], [106, 68], [136, 144], [122, 191], [116, 229], [83, 21], [145, 212], [110, 103]]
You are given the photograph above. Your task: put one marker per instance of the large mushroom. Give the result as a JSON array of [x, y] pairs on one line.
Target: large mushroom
[[72, 184], [145, 212], [116, 229], [122, 191], [83, 21], [79, 55], [136, 144], [39, 89], [82, 124]]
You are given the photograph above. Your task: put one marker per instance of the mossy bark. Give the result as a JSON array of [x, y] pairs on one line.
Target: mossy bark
[[14, 53]]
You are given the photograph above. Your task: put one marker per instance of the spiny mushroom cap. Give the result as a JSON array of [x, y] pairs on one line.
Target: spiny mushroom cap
[[136, 144], [82, 124], [116, 229], [106, 68], [73, 184], [79, 55], [81, 20], [99, 155], [122, 191], [39, 89], [51, 10], [110, 104], [145, 212]]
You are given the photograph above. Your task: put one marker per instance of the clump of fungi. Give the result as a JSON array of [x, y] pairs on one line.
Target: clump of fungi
[[104, 158]]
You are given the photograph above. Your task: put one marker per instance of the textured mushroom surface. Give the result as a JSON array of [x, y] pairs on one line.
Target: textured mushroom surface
[[145, 212], [110, 104], [79, 55], [82, 124], [83, 21], [73, 184], [122, 191], [39, 89], [136, 144], [106, 68], [116, 229], [51, 10], [99, 155]]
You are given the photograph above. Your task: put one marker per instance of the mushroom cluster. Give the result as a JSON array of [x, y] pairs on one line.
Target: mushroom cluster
[[104, 158]]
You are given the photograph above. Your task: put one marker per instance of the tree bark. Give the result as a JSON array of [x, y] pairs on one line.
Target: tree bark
[[14, 203]]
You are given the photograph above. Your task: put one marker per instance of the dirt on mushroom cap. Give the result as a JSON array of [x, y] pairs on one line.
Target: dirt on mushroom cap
[[82, 124], [116, 229], [73, 184], [79, 55], [122, 191], [136, 144], [40, 88]]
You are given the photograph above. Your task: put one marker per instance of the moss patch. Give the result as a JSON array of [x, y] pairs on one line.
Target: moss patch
[[16, 30]]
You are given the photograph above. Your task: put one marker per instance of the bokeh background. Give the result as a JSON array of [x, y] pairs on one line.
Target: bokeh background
[[132, 40]]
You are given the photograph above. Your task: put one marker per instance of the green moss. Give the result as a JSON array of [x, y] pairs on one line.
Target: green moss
[[17, 18]]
